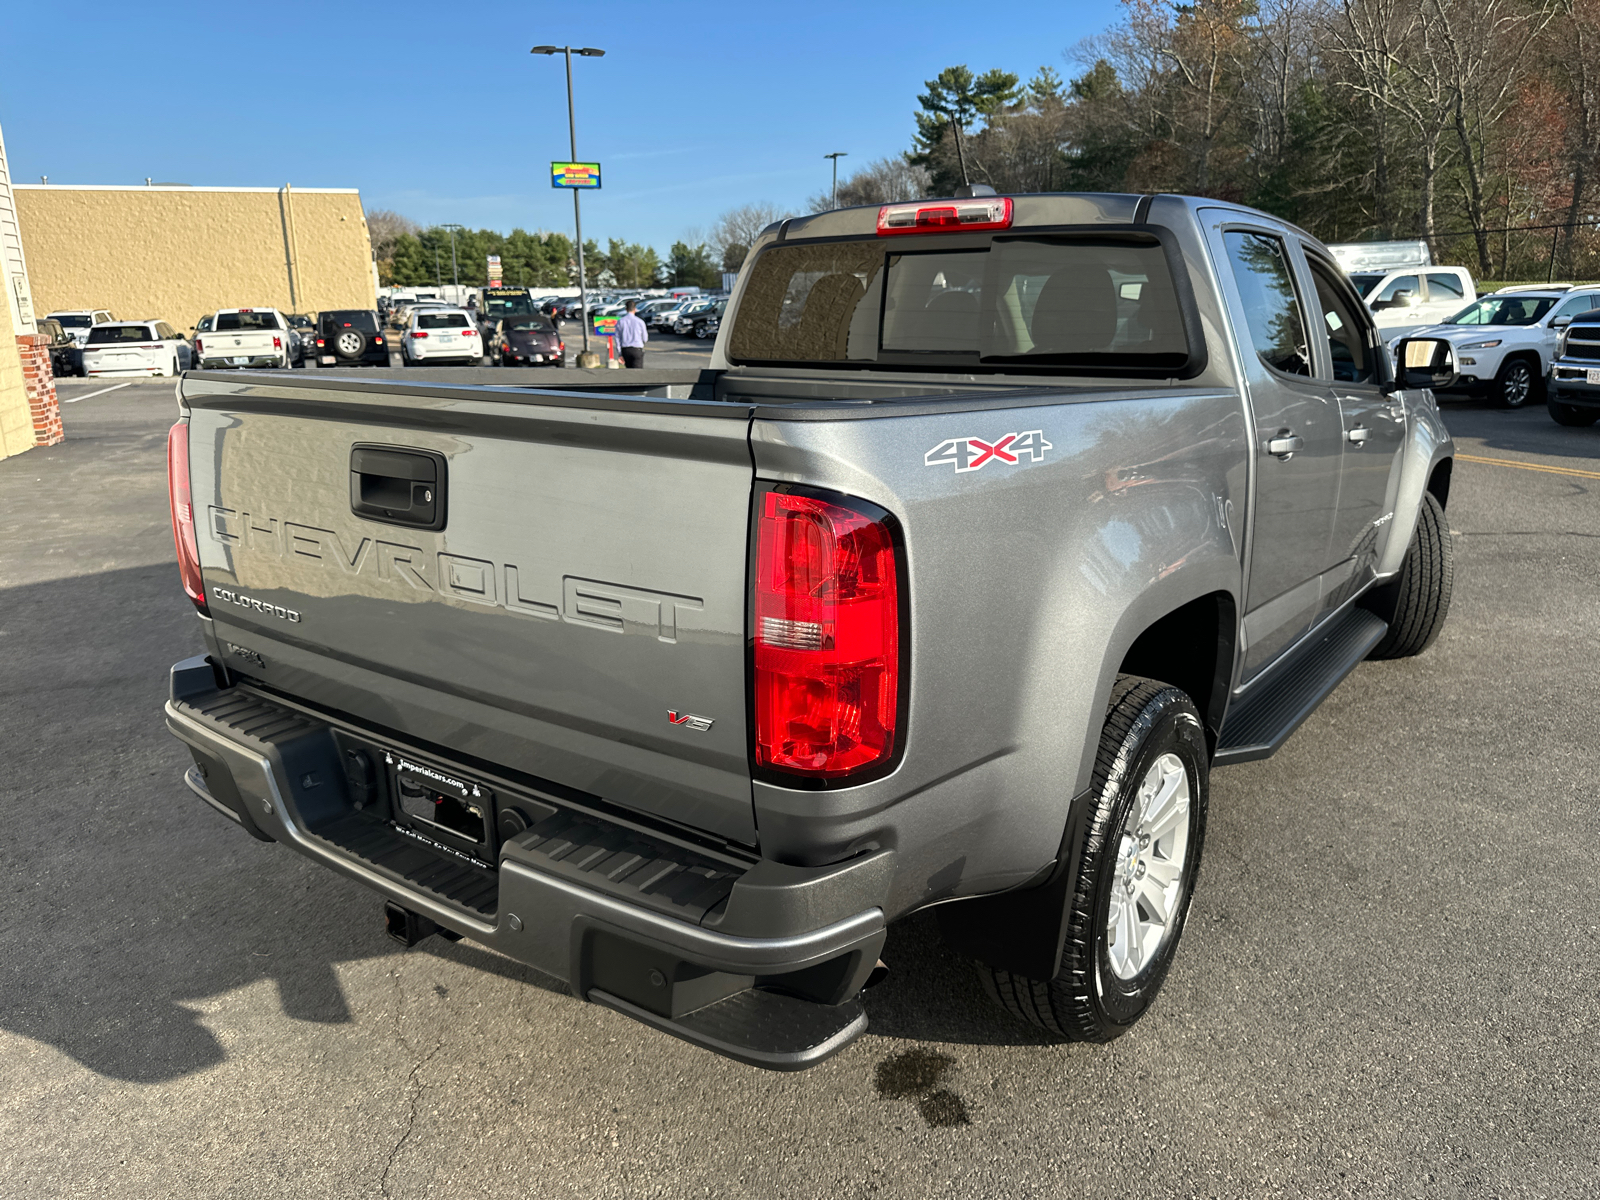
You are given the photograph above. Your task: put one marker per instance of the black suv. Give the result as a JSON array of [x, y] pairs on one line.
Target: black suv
[[351, 337]]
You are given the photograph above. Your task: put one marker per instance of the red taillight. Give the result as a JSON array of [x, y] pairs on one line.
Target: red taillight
[[419, 333], [377, 341], [320, 342], [469, 333], [827, 637], [944, 216], [505, 346], [198, 348], [183, 533], [277, 343]]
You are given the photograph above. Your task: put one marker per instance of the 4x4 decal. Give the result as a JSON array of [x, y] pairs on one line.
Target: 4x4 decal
[[972, 454]]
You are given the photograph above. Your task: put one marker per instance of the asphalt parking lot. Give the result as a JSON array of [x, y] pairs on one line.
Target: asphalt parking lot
[[1388, 986]]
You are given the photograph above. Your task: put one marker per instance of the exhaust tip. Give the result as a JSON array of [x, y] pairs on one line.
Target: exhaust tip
[[878, 974]]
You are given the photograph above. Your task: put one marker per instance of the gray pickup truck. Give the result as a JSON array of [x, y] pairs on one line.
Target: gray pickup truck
[[996, 525]]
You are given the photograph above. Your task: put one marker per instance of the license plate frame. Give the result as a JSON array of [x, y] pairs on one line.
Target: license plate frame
[[437, 802]]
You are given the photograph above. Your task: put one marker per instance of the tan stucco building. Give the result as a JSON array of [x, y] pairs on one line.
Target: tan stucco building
[[176, 253], [29, 412]]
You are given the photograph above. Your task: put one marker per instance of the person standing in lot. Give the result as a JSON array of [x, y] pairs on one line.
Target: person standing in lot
[[631, 336]]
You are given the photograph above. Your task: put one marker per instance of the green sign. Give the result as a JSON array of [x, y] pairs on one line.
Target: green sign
[[574, 175]]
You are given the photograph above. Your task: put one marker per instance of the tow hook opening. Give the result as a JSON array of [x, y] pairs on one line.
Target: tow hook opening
[[409, 928]]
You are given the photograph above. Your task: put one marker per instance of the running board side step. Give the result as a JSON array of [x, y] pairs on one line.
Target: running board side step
[[1259, 722]]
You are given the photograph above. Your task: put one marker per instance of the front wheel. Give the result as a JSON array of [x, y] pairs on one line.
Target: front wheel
[[1417, 600], [1573, 415], [1139, 861], [1516, 383]]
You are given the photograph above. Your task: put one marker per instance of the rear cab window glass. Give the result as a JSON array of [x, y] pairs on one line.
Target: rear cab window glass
[[1271, 306], [75, 320], [240, 322], [1086, 303], [102, 335], [442, 320]]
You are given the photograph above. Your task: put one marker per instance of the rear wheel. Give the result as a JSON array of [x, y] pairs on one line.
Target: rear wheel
[[1573, 415], [1140, 859], [1416, 602], [1516, 383]]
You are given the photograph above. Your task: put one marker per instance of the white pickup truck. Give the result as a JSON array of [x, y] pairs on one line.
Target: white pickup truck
[[245, 337]]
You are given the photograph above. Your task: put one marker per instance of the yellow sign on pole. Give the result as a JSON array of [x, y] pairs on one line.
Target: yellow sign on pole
[[574, 175]]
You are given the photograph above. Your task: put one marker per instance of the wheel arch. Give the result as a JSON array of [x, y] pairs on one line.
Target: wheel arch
[[1192, 648]]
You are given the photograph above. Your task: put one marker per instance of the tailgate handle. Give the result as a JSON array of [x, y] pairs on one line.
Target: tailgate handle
[[398, 486]]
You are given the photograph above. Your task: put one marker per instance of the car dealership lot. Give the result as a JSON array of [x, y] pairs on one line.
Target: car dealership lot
[[1388, 985]]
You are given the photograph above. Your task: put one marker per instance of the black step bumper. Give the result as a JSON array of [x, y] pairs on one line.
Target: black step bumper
[[755, 960]]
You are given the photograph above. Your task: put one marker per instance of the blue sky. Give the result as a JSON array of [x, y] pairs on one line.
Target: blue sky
[[695, 109]]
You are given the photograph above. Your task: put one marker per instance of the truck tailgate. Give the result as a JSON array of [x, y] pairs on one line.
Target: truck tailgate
[[580, 615]]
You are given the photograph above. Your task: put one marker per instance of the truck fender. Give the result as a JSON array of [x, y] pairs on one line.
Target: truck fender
[[1427, 445]]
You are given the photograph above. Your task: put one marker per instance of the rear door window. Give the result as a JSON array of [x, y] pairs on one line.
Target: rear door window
[[1271, 305], [358, 319], [1444, 287]]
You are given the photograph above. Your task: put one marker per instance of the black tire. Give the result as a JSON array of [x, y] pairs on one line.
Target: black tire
[[1087, 1001], [1417, 601], [1572, 415], [1517, 384]]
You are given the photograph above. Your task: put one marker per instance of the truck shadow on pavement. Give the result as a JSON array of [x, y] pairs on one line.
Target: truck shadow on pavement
[[129, 905], [132, 907]]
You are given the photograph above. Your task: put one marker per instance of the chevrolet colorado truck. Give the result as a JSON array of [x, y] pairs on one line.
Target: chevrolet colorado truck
[[996, 524]]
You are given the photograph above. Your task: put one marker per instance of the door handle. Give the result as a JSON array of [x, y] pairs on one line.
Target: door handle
[[398, 486], [1285, 444], [1359, 434]]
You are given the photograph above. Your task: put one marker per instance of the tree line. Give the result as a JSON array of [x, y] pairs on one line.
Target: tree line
[[1472, 123], [410, 255]]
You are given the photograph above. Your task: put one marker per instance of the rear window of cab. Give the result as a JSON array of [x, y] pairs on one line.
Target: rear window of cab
[[240, 322], [1080, 303]]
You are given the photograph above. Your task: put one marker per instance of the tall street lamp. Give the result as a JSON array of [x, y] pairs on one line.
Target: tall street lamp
[[586, 358], [455, 273], [836, 156]]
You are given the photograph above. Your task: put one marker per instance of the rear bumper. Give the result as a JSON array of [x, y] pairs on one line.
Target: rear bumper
[[757, 961], [258, 360]]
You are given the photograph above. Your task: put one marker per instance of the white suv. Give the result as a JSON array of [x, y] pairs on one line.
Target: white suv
[[135, 348], [1505, 342], [441, 335]]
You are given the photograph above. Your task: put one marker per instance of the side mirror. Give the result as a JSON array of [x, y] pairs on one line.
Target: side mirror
[[1561, 322], [1424, 363]]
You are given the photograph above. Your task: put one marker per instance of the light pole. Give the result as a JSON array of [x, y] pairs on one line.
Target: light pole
[[455, 273], [836, 156], [586, 359]]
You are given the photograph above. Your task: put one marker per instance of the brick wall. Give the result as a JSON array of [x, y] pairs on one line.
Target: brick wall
[[40, 383]]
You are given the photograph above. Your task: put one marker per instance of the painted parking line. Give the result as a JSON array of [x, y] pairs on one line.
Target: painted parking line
[[1507, 462], [101, 392]]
